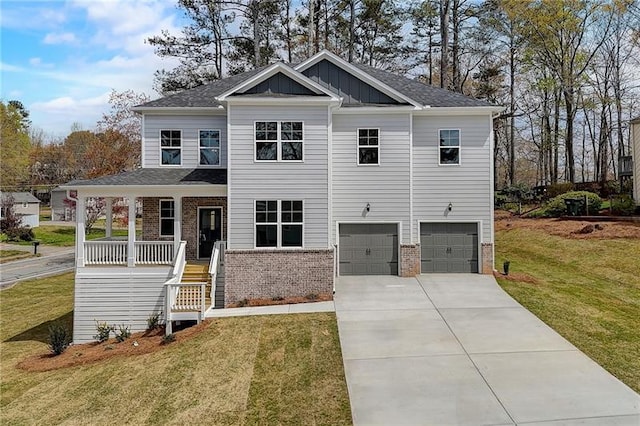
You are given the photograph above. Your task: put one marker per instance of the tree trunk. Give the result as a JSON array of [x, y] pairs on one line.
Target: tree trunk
[[255, 13], [512, 108], [568, 143], [444, 43], [352, 28]]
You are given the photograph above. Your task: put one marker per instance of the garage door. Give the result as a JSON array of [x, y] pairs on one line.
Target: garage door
[[449, 247], [368, 249]]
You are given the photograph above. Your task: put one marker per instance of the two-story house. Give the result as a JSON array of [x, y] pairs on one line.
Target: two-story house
[[294, 174]]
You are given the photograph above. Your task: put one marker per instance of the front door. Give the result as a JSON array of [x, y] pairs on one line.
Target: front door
[[209, 230]]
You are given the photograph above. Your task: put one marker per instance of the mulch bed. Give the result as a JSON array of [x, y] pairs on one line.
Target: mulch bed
[[89, 353], [577, 229], [323, 297]]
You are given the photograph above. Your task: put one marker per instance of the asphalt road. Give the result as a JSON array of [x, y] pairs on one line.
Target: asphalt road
[[14, 272]]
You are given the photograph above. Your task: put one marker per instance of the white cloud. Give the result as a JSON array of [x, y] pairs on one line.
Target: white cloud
[[10, 68], [59, 38], [60, 113], [33, 17], [37, 62]]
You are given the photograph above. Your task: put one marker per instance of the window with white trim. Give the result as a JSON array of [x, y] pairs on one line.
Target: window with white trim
[[209, 143], [449, 146], [171, 147], [279, 223], [368, 146], [279, 140], [167, 217]]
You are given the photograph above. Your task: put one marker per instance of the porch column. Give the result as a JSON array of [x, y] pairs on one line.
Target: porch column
[[109, 213], [131, 233], [177, 221], [80, 230]]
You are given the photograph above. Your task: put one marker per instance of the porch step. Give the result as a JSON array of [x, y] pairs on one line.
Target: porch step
[[219, 296]]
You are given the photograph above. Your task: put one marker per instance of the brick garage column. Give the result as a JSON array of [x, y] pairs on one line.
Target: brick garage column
[[409, 260], [487, 258], [259, 274]]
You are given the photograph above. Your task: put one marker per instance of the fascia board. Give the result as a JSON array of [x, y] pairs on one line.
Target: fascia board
[[338, 61]]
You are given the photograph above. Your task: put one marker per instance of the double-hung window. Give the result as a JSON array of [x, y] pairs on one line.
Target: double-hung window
[[171, 147], [209, 143], [449, 147], [279, 140], [167, 216], [368, 146], [279, 223]]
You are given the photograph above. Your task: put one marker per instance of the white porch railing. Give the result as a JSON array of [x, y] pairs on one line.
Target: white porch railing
[[154, 252], [114, 252], [217, 258], [105, 252]]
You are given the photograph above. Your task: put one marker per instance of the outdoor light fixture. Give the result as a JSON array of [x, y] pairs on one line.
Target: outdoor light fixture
[[368, 207], [450, 207]]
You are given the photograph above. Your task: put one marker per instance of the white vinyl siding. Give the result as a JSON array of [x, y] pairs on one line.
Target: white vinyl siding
[[467, 186], [385, 187], [116, 296], [288, 180], [190, 126]]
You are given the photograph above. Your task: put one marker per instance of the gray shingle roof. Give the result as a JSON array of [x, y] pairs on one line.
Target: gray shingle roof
[[20, 197], [423, 93], [157, 176], [204, 96]]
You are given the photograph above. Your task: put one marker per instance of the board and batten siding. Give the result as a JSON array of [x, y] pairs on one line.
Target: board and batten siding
[[285, 180], [384, 187], [117, 296], [190, 125], [466, 186]]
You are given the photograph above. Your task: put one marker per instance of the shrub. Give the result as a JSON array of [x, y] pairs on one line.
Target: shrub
[[153, 322], [623, 205], [22, 233], [123, 333], [168, 339], [243, 302], [103, 331], [558, 189], [557, 207], [59, 338]]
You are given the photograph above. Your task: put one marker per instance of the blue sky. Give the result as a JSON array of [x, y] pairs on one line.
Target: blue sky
[[63, 58]]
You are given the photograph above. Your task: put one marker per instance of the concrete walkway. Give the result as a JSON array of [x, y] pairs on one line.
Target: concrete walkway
[[457, 350], [295, 308]]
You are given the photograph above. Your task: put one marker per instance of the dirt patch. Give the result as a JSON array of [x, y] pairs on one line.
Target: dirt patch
[[89, 353], [577, 229], [323, 297]]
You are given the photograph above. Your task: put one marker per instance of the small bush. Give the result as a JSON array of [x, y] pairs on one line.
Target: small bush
[[23, 233], [277, 298], [243, 302], [59, 338], [623, 205], [123, 333], [153, 322], [311, 296], [103, 331], [558, 189], [168, 339], [557, 207]]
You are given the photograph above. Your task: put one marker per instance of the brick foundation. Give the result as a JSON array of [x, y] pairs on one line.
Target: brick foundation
[[257, 274], [409, 260], [151, 220], [487, 258]]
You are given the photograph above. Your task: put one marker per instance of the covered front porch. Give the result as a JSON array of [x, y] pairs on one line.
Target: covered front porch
[[169, 262]]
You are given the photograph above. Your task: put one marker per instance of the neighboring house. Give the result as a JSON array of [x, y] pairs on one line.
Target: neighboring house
[[25, 205], [630, 165], [303, 172], [60, 210]]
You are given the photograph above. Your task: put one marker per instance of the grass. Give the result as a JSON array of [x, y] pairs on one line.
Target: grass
[[9, 255], [45, 213], [284, 369], [587, 290], [65, 236]]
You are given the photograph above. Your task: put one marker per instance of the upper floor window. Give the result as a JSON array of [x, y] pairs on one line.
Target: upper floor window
[[279, 223], [209, 143], [167, 216], [449, 147], [171, 147], [279, 140], [368, 146]]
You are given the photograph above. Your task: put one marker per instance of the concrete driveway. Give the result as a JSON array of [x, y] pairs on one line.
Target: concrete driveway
[[457, 350]]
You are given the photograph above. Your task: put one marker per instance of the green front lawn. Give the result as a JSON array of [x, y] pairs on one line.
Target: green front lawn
[[65, 236], [280, 369], [588, 290]]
